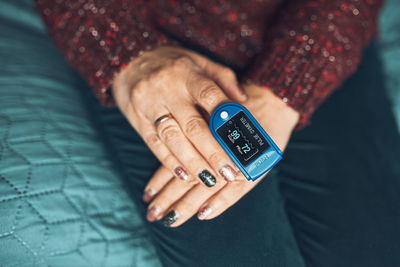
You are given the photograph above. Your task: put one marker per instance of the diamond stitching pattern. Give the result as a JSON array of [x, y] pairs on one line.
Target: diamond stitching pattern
[[62, 200]]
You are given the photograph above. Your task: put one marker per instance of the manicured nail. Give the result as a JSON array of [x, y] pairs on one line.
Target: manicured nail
[[207, 178], [152, 214], [181, 173], [242, 90], [148, 195], [228, 173], [170, 218], [204, 212]]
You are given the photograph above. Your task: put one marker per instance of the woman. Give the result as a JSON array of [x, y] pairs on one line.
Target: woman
[[168, 64]]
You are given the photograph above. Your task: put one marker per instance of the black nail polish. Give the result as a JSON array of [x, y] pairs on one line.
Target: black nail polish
[[207, 178], [170, 218]]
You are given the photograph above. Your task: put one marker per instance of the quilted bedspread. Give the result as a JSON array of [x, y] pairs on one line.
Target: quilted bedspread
[[390, 51], [64, 200]]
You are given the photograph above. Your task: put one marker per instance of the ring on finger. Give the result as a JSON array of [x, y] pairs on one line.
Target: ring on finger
[[162, 119]]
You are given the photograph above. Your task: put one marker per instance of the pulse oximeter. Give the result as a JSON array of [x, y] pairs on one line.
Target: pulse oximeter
[[244, 140]]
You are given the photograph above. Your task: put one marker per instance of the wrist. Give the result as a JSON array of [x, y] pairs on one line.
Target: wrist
[[274, 115], [275, 109]]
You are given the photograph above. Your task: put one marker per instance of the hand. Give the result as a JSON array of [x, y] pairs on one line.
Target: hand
[[275, 117], [183, 84]]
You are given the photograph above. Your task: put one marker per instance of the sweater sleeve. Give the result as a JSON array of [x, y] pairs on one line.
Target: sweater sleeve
[[312, 47], [99, 38]]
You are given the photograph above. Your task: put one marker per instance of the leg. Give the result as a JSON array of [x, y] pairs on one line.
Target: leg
[[341, 177], [254, 232]]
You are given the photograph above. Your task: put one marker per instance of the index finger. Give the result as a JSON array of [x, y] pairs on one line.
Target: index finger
[[205, 92], [196, 129]]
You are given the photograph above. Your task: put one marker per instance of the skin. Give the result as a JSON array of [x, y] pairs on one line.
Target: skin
[[178, 81]]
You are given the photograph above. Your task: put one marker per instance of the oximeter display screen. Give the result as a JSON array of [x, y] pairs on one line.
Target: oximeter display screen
[[243, 138]]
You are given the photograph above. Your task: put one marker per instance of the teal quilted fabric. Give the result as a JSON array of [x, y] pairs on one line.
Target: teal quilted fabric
[[390, 51], [63, 201]]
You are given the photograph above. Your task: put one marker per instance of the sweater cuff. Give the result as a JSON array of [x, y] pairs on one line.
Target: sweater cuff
[[99, 39], [307, 57], [302, 74]]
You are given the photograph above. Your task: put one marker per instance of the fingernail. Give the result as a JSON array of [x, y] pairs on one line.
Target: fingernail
[[242, 90], [148, 195], [153, 213], [170, 218], [207, 178], [228, 173], [181, 173], [204, 212]]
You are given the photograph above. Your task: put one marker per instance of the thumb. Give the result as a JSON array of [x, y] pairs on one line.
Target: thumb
[[222, 75], [226, 79]]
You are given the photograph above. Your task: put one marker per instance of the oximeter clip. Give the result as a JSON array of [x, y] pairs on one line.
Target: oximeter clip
[[244, 140]]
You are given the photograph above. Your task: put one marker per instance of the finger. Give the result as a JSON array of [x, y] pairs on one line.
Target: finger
[[189, 204], [224, 76], [224, 199], [159, 179], [160, 150], [226, 79], [205, 92], [195, 128], [150, 136], [171, 135], [169, 194]]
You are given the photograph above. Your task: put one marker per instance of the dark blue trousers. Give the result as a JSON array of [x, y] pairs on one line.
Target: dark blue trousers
[[334, 200]]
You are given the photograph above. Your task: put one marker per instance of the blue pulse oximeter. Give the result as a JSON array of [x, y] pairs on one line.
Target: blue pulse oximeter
[[244, 140]]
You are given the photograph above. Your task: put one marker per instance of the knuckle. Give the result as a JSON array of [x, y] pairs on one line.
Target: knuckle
[[159, 74], [192, 181], [169, 133], [138, 93], [228, 72], [188, 205], [142, 64], [152, 140], [194, 126], [194, 162], [162, 200], [169, 160], [224, 199], [217, 187], [214, 157], [181, 61], [240, 179], [209, 93]]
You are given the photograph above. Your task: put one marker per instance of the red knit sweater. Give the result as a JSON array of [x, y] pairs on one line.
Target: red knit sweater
[[300, 49]]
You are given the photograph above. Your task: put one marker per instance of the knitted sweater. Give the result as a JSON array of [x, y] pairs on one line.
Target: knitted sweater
[[301, 50]]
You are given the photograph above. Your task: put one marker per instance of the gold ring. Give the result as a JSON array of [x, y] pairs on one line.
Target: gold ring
[[162, 118]]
